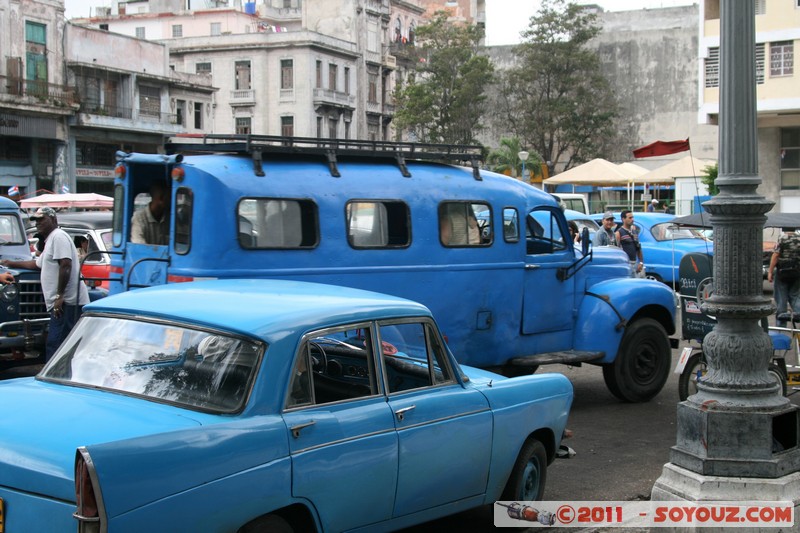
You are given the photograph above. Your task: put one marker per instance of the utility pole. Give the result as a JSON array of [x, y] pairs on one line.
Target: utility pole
[[737, 438]]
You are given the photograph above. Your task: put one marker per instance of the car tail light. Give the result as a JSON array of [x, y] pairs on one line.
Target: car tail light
[[88, 510]]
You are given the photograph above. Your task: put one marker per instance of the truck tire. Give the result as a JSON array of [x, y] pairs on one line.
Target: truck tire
[[642, 364]]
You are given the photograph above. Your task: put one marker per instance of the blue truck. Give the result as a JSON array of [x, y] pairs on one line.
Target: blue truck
[[489, 255]]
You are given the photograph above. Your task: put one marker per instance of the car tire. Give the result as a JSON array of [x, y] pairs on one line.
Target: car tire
[[776, 372], [270, 523], [642, 364], [529, 475], [687, 381]]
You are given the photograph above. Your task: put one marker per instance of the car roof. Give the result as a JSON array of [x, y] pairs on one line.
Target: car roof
[[85, 219], [267, 309]]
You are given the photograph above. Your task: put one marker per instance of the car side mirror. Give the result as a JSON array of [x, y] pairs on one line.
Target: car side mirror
[[585, 241]]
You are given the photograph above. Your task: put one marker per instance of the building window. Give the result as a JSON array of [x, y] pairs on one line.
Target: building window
[[319, 74], [287, 126], [333, 73], [36, 58], [149, 101], [216, 28], [95, 154], [203, 68], [177, 30], [287, 74], [198, 115], [412, 32], [140, 32], [243, 126], [319, 127], [104, 27], [790, 159], [760, 63], [180, 112], [372, 36], [372, 95], [242, 75], [333, 127], [346, 80], [712, 67], [781, 58]]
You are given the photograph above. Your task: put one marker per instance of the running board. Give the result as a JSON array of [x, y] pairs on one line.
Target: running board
[[568, 357]]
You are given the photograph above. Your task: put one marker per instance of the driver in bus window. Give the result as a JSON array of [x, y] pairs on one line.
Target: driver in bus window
[[151, 224]]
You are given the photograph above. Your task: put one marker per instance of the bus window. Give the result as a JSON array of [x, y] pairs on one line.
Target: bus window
[[510, 225], [378, 224], [543, 234], [465, 224], [183, 220], [277, 223]]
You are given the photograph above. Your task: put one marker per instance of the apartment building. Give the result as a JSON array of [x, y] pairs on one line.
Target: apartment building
[[778, 93], [35, 103], [128, 104], [311, 68]]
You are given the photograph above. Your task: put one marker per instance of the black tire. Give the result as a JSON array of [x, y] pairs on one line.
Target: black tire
[[271, 523], [512, 371], [529, 475], [776, 372], [642, 364], [687, 382]]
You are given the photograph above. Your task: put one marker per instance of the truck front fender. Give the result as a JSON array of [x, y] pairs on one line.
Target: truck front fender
[[609, 307]]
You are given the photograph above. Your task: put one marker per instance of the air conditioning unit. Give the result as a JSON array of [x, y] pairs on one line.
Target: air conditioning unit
[[390, 61]]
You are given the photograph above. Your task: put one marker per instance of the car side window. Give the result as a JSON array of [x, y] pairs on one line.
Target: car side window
[[510, 225], [333, 365], [543, 233], [413, 356]]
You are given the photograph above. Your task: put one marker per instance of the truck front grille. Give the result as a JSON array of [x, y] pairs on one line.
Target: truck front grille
[[31, 300]]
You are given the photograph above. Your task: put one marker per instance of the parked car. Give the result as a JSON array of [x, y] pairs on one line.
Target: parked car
[[664, 245], [263, 405], [95, 226]]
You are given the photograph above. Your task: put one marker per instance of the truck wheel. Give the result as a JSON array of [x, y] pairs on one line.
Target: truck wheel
[[687, 382], [270, 523], [527, 479], [642, 364]]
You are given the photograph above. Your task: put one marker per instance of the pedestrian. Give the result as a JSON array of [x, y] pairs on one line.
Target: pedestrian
[[574, 232], [784, 272], [605, 236], [150, 225], [64, 293], [628, 239], [653, 205]]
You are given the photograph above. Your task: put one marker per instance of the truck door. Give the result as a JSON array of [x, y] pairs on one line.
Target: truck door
[[547, 301]]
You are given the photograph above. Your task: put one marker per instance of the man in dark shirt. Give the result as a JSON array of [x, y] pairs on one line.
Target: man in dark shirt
[[628, 240]]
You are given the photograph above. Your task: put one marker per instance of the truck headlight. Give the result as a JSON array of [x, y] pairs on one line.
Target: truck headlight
[[9, 292]]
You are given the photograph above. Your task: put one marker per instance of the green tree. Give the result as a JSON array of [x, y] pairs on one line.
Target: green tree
[[556, 99], [506, 158], [444, 100], [710, 177]]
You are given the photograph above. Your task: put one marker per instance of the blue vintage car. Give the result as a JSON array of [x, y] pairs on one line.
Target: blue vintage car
[[664, 244], [258, 405]]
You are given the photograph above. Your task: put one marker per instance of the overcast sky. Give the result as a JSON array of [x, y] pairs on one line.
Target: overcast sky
[[505, 19]]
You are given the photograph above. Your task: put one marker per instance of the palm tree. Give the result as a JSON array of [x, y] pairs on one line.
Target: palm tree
[[506, 158]]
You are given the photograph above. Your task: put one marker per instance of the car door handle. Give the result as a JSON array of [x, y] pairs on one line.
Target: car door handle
[[531, 267], [296, 429], [401, 413]]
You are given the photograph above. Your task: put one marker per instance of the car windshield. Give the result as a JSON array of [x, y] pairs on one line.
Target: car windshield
[[164, 362], [10, 230], [667, 232]]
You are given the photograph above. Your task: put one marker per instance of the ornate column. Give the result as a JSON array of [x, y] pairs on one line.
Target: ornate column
[[738, 425]]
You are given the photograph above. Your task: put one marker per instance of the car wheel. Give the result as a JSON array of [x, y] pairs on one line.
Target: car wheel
[[642, 364], [271, 523], [777, 374], [529, 475], [687, 382], [513, 371]]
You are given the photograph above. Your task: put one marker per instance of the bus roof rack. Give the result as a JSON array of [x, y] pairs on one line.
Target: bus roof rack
[[330, 149]]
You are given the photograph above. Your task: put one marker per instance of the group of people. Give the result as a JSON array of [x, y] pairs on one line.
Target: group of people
[[64, 293], [626, 237]]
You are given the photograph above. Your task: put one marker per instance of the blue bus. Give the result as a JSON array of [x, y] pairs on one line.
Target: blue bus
[[488, 254]]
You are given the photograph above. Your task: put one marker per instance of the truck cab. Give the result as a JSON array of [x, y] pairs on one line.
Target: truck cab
[[23, 316], [490, 255]]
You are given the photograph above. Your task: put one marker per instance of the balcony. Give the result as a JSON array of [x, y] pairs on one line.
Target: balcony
[[241, 97], [327, 97], [281, 14], [113, 117], [36, 92], [105, 110]]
